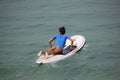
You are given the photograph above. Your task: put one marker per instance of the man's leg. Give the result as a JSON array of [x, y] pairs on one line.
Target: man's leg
[[44, 52]]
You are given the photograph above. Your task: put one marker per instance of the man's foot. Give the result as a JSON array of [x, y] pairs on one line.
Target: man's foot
[[46, 55], [39, 54]]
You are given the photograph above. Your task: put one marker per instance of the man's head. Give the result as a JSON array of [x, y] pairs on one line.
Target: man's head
[[62, 30]]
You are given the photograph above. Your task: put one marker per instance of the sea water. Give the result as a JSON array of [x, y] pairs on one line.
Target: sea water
[[27, 25]]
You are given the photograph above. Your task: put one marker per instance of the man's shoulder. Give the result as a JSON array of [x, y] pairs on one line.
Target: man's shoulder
[[66, 35]]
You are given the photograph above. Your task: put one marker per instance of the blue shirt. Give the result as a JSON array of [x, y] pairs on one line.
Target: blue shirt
[[60, 39]]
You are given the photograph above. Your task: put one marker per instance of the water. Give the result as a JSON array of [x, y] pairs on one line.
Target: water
[[26, 26]]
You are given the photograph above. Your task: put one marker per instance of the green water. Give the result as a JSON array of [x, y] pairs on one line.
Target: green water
[[27, 25]]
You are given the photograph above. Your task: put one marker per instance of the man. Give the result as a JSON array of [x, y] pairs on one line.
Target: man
[[60, 40]]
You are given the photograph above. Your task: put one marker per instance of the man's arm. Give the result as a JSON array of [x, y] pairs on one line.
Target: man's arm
[[50, 41], [71, 46]]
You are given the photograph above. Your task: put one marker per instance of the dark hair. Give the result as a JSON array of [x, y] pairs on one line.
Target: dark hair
[[62, 30]]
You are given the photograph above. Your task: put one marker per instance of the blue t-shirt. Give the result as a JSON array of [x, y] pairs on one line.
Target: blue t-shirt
[[60, 39]]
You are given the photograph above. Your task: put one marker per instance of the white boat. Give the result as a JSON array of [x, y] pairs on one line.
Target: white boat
[[78, 44]]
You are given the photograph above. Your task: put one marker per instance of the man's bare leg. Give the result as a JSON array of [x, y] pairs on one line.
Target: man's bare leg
[[40, 53]]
